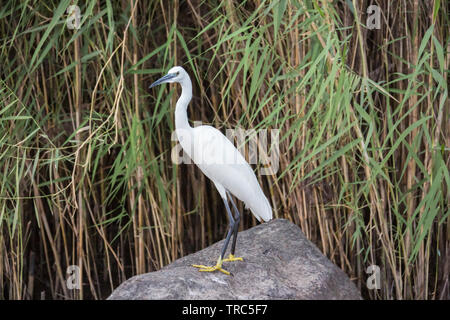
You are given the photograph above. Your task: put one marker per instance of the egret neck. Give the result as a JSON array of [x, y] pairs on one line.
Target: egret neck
[[181, 118]]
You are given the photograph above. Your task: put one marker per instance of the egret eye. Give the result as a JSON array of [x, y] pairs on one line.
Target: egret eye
[[178, 73]]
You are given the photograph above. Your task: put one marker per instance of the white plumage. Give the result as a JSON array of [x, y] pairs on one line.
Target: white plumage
[[215, 155], [220, 161]]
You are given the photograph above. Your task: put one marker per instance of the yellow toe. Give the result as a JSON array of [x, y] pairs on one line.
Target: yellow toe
[[217, 267], [231, 257]]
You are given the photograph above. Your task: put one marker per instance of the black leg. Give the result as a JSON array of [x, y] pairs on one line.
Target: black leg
[[237, 219], [231, 228]]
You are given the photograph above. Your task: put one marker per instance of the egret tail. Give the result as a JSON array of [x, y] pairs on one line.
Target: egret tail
[[260, 208]]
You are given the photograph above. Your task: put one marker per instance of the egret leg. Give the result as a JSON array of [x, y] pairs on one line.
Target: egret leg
[[237, 219], [218, 265]]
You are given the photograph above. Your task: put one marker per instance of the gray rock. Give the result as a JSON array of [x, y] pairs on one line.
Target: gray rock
[[279, 263]]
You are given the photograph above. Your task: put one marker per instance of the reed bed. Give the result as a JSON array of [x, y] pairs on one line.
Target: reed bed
[[86, 176]]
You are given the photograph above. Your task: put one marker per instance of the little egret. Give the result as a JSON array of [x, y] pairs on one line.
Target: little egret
[[221, 162]]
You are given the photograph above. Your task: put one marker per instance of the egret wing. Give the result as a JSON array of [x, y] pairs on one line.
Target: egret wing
[[221, 162]]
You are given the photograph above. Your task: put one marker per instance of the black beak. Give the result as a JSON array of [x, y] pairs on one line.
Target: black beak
[[163, 79]]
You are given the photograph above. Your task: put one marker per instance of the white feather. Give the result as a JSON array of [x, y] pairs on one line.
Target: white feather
[[214, 154], [221, 162]]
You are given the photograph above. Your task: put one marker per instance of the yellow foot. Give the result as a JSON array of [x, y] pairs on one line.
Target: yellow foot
[[231, 257], [217, 267]]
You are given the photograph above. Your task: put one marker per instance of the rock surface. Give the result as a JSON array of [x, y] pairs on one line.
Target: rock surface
[[279, 263]]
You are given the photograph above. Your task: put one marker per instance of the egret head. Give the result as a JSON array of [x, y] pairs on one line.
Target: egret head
[[176, 74]]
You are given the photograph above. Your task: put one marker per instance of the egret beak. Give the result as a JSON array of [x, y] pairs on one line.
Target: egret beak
[[163, 79]]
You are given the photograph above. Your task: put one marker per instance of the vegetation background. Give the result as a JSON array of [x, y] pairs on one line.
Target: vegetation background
[[86, 176]]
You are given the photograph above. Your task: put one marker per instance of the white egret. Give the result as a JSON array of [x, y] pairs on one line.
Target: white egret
[[221, 162]]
